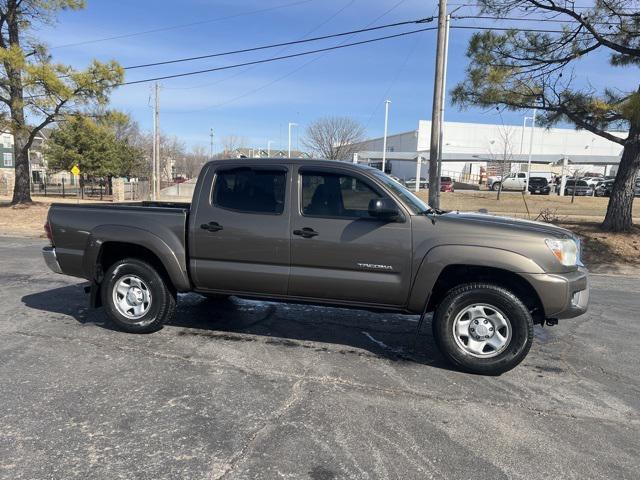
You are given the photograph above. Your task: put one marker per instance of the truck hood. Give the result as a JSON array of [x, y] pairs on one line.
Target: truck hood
[[489, 235], [508, 223]]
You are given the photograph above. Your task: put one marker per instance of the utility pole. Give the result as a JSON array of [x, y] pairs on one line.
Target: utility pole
[[384, 141], [269, 142], [211, 135], [533, 129], [156, 138], [291, 125], [444, 94], [438, 104]]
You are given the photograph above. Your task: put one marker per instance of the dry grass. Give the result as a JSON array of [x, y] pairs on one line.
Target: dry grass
[[28, 221], [515, 204]]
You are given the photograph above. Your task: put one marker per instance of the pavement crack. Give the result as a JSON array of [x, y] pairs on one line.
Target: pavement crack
[[221, 471]]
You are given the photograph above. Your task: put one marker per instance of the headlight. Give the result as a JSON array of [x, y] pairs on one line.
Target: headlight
[[566, 250]]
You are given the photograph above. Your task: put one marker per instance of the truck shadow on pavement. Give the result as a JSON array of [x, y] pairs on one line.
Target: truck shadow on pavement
[[324, 329]]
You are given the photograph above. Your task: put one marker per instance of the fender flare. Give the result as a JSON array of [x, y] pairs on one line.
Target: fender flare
[[440, 257], [175, 266]]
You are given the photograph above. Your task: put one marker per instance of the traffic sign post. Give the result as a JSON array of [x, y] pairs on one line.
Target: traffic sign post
[[75, 171]]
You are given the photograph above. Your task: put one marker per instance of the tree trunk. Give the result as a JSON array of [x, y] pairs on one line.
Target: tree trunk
[[22, 187], [619, 216], [21, 138]]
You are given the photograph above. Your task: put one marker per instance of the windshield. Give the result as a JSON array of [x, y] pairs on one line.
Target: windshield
[[413, 203]]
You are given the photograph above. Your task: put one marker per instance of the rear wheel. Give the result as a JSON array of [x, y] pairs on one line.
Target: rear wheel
[[483, 328], [136, 297]]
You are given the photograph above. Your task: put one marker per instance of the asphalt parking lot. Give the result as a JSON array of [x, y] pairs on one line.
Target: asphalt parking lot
[[241, 389]]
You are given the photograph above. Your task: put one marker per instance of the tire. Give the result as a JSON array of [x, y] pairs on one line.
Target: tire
[[495, 186], [136, 298], [454, 311]]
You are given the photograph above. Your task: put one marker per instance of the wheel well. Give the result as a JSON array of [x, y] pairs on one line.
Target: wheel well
[[112, 252], [454, 275]]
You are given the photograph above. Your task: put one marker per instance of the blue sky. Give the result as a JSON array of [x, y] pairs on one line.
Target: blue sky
[[257, 102]]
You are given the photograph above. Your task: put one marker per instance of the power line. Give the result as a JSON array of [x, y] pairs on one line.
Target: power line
[[183, 25], [274, 45], [574, 7], [507, 29], [523, 19], [273, 59], [327, 49]]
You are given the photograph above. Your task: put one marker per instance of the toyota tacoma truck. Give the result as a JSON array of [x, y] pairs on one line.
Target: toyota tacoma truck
[[328, 233]]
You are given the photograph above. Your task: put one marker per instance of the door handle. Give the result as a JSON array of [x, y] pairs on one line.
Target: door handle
[[211, 226], [306, 232]]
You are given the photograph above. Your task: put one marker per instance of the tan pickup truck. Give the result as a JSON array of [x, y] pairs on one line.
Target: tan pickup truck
[[330, 233]]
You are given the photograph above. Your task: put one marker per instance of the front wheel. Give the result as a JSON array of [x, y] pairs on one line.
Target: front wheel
[[136, 297], [483, 328], [496, 186]]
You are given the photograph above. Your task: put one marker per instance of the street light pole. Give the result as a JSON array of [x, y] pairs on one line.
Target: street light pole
[[291, 124], [269, 142], [533, 129], [438, 104], [384, 141]]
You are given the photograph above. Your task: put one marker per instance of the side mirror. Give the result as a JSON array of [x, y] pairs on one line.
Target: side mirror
[[383, 209]]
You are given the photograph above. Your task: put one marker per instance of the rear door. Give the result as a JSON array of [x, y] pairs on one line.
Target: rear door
[[339, 252], [240, 235]]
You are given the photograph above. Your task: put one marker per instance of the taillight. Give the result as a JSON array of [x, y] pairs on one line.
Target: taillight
[[47, 229]]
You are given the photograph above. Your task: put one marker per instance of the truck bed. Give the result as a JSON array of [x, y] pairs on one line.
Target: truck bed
[[75, 228]]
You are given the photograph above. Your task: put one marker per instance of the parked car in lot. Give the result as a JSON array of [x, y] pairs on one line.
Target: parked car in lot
[[513, 181], [539, 186], [446, 184], [325, 232], [592, 181], [411, 183], [603, 188], [580, 186]]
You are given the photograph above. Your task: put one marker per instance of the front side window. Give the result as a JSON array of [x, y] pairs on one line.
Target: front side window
[[250, 190], [335, 195]]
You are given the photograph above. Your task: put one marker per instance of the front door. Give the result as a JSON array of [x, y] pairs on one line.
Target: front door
[[240, 234], [339, 252]]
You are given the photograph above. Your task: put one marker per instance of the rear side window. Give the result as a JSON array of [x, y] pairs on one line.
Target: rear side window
[[250, 190], [335, 195]]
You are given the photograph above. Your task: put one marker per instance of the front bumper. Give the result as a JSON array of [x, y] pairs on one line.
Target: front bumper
[[50, 258], [563, 295]]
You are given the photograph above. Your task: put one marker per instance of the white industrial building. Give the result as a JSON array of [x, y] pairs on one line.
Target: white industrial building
[[471, 151]]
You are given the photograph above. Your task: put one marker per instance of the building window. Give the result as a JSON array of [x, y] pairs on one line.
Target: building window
[[6, 140], [8, 159]]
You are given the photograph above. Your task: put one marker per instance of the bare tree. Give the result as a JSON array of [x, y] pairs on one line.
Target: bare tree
[[232, 142], [191, 163], [334, 138], [503, 153]]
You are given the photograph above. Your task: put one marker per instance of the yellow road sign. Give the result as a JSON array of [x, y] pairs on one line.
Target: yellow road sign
[[75, 170]]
